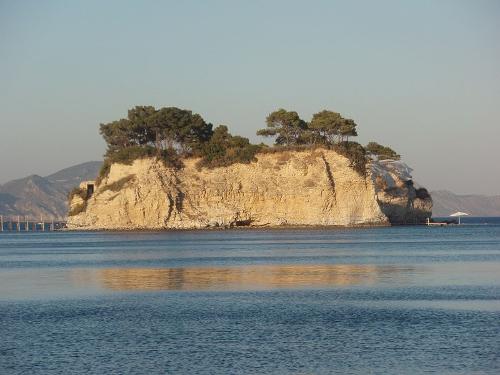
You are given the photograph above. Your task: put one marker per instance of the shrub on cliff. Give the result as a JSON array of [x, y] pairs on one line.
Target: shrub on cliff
[[118, 185], [422, 193], [127, 155], [264, 149], [172, 133], [78, 208], [103, 172], [355, 153], [381, 152], [77, 191], [224, 149]]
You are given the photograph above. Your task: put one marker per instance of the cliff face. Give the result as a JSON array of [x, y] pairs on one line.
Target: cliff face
[[396, 194], [286, 188]]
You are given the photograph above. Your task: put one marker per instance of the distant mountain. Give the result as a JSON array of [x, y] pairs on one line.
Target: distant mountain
[[446, 202], [70, 177], [36, 196]]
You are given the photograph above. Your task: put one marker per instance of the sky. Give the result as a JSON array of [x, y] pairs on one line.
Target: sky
[[420, 76]]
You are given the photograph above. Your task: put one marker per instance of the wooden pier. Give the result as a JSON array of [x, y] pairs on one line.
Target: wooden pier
[[440, 223], [26, 224]]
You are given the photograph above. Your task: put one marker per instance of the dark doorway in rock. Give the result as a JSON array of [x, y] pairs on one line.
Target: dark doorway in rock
[[90, 190], [243, 223]]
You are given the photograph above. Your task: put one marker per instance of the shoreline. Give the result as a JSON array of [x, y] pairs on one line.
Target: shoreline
[[242, 228]]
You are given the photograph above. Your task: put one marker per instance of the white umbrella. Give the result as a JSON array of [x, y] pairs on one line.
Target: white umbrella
[[459, 214]]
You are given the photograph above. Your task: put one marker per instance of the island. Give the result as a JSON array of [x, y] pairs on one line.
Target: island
[[169, 169]]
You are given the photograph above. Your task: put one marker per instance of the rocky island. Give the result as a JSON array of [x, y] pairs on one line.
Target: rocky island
[[167, 169]]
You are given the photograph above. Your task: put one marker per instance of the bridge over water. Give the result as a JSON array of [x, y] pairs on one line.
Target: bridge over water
[[27, 224]]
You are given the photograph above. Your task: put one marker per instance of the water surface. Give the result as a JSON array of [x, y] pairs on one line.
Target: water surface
[[401, 300]]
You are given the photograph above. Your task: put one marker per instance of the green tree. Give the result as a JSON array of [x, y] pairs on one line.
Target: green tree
[[176, 128], [347, 129], [192, 132], [330, 127], [138, 117], [147, 131], [132, 131], [225, 149], [355, 153], [118, 134], [381, 152], [286, 126]]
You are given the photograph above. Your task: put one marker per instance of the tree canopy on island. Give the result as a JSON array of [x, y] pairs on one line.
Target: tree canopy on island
[[224, 149], [381, 152], [330, 127], [287, 126], [166, 128], [171, 133], [325, 128]]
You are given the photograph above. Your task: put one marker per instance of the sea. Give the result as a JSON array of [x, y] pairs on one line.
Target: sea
[[382, 300]]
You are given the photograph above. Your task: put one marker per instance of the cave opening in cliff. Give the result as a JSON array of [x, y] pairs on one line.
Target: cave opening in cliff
[[243, 223], [90, 190]]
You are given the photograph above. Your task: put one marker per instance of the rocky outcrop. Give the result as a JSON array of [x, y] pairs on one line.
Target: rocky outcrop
[[398, 198], [315, 187]]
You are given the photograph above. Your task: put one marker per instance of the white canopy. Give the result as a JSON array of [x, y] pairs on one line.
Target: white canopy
[[459, 214]]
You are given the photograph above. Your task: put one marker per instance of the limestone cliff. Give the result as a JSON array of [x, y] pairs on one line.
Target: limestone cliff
[[315, 187]]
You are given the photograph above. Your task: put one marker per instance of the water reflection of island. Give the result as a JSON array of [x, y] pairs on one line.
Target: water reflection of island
[[245, 277]]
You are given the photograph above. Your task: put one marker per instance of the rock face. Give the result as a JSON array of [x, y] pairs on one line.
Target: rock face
[[315, 187], [400, 201]]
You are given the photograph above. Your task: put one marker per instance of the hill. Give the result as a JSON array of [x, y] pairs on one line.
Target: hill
[[446, 202], [36, 196]]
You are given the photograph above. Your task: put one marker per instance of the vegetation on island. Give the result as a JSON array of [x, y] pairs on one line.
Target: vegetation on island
[[224, 149], [171, 134], [422, 193], [381, 152], [326, 128], [77, 209], [77, 191]]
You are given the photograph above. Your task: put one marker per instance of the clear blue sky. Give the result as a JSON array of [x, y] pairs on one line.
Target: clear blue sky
[[420, 76]]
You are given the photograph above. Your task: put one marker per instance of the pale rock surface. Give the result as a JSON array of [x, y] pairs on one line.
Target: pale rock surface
[[315, 187], [396, 193]]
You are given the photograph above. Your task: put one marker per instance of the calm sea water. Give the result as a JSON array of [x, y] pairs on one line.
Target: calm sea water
[[401, 300]]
